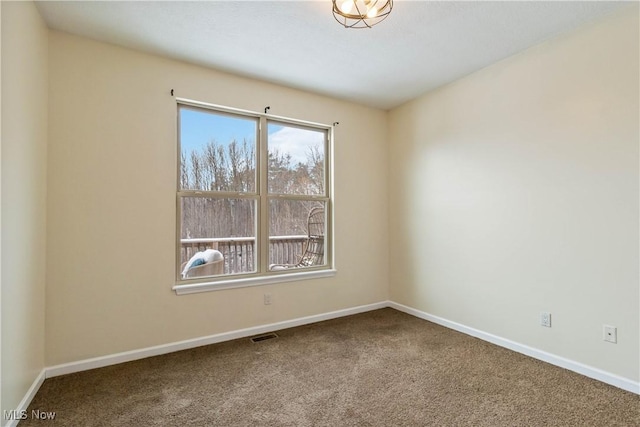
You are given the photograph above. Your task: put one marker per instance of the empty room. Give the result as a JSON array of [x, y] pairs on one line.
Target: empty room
[[320, 213]]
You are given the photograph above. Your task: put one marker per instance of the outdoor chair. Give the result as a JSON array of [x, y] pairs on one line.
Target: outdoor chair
[[211, 263], [313, 247]]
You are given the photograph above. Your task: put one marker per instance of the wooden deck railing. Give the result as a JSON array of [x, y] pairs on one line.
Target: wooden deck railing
[[238, 252]]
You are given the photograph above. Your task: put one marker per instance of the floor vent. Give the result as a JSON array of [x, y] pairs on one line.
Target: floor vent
[[264, 337]]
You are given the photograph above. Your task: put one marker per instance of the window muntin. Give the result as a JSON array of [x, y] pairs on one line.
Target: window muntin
[[223, 206]]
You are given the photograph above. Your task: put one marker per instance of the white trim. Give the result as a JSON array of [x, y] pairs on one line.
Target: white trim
[[251, 281], [99, 362], [127, 356], [240, 111], [580, 368], [26, 400]]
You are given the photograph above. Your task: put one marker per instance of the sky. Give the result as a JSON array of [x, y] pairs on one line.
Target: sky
[[294, 141], [197, 128]]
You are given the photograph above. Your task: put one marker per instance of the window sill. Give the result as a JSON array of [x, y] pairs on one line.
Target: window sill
[[252, 281]]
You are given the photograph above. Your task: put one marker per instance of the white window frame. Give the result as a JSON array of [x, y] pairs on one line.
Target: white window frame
[[262, 275]]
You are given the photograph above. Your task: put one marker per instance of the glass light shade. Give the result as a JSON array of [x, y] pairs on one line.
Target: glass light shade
[[361, 13], [346, 6]]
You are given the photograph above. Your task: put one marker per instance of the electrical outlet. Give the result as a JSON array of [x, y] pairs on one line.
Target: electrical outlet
[[610, 333], [545, 319], [267, 299]]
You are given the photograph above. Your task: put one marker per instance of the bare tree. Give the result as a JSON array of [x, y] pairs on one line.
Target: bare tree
[[231, 168]]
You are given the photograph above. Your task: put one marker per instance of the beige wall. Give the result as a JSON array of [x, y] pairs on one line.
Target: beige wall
[[512, 191], [515, 191], [111, 217], [24, 154]]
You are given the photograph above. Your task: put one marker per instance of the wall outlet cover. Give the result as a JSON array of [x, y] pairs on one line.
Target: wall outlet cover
[[545, 319], [610, 333]]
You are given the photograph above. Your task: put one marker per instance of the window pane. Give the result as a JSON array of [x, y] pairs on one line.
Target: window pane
[[217, 151], [296, 160], [225, 225], [296, 234]]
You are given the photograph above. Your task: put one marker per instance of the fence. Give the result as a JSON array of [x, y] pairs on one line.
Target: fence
[[239, 252]]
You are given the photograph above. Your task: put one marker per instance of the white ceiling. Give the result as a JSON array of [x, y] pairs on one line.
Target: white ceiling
[[420, 46]]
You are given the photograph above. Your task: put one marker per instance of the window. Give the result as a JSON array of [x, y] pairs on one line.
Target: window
[[253, 198]]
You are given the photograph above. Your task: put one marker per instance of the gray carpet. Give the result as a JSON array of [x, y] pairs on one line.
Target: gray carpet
[[382, 368]]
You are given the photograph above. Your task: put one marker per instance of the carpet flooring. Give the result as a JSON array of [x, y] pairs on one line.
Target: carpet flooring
[[381, 368]]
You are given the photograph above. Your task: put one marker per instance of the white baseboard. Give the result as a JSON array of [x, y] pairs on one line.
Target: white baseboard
[[113, 359], [588, 371], [26, 400], [128, 356]]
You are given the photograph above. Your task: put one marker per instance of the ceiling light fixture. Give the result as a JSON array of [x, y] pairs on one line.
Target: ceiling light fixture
[[361, 13]]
